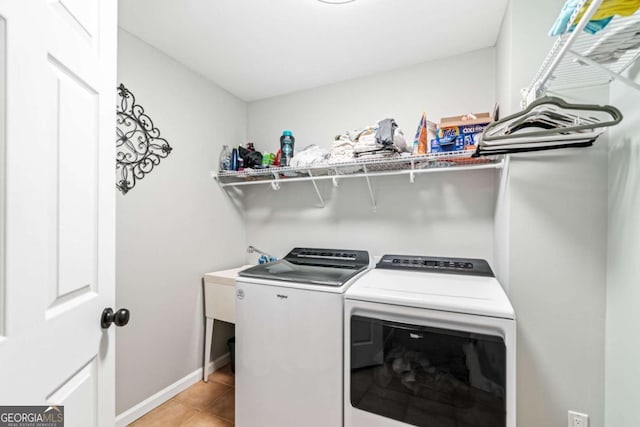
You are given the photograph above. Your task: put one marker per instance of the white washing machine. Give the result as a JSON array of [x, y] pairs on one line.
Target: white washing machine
[[289, 338], [429, 341]]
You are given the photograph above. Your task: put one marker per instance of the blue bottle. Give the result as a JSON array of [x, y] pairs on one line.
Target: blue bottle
[[234, 159], [287, 142]]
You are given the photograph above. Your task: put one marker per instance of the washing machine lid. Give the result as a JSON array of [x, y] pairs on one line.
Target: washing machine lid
[[326, 267], [455, 285]]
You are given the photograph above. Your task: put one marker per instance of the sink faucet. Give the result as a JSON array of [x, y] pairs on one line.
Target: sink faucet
[[252, 249]]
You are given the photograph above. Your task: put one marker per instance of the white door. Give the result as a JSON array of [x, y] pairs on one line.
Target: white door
[[58, 79]]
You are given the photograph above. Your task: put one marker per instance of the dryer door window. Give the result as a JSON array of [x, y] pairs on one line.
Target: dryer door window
[[427, 376]]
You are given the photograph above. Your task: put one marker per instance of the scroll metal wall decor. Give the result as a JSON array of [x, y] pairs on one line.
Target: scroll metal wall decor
[[138, 143]]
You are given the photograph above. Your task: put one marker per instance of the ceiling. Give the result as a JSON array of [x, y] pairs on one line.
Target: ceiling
[[261, 48]]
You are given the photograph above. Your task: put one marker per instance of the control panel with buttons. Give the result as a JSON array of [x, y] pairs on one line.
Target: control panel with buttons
[[472, 267]]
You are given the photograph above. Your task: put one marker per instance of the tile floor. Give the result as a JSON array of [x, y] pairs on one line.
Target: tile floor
[[210, 404]]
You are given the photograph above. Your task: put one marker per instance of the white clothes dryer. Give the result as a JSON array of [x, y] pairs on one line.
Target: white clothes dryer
[[429, 341]]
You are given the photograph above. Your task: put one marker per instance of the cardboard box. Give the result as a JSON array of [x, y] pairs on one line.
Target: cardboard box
[[459, 133]]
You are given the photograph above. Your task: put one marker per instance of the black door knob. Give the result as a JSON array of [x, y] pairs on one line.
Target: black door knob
[[120, 317]]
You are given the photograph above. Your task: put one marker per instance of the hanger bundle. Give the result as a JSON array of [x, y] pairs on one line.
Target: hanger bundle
[[547, 123]]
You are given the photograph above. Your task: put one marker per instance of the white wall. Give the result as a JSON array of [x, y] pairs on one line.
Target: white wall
[[557, 283], [623, 273], [175, 225], [448, 214], [556, 245], [504, 64], [447, 87], [504, 59], [441, 214], [529, 43]]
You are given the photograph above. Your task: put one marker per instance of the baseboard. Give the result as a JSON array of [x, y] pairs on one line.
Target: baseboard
[[135, 412]]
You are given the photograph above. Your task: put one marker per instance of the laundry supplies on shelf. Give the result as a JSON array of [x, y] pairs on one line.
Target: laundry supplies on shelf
[[225, 159], [459, 132], [250, 157], [426, 130], [287, 142], [376, 150]]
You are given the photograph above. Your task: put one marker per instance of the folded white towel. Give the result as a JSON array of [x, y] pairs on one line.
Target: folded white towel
[[311, 155], [341, 155]]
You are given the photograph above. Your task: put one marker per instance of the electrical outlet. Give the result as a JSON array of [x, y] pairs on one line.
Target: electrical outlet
[[576, 419]]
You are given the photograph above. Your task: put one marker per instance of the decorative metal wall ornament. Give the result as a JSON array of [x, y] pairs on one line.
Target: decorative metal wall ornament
[[138, 143]]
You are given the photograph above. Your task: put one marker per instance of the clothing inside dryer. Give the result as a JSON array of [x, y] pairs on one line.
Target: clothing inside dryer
[[426, 376]]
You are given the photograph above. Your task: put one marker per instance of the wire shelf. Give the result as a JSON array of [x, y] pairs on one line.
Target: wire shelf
[[567, 66], [399, 164], [362, 168]]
